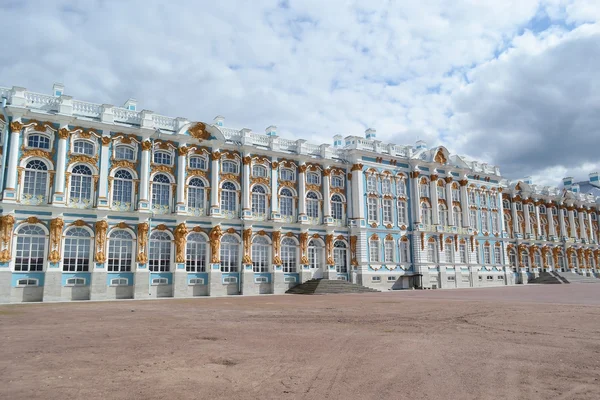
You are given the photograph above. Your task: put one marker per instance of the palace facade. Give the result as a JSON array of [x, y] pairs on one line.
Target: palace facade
[[106, 202]]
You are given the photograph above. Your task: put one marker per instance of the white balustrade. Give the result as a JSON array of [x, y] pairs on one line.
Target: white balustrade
[[86, 109]]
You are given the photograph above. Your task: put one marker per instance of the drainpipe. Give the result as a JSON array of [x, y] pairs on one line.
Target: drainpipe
[[4, 144]]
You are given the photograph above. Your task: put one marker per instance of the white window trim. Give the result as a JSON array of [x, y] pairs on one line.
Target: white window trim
[[27, 282], [159, 281], [118, 282], [196, 281], [75, 282]]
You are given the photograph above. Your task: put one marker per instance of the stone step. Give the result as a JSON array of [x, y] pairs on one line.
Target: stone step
[[326, 286]]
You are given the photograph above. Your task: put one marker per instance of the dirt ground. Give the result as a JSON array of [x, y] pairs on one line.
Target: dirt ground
[[532, 342]]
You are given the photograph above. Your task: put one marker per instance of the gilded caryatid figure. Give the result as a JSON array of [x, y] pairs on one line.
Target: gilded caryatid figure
[[353, 240], [180, 240], [247, 237], [215, 244], [56, 229], [101, 229], [142, 236], [329, 249], [7, 223], [304, 248], [277, 248]]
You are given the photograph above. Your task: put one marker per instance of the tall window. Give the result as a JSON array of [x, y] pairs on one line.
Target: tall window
[[286, 202], [124, 153], [388, 251], [160, 252], [495, 222], [449, 253], [340, 257], [229, 167], [573, 259], [549, 260], [312, 178], [371, 183], [388, 216], [162, 157], [230, 253], [259, 171], [288, 254], [456, 216], [259, 201], [312, 205], [512, 258], [260, 254], [404, 251], [228, 197], [198, 162], [196, 196], [462, 250], [120, 251], [473, 217], [402, 214], [487, 256], [455, 194], [315, 253], [81, 185], [443, 215], [505, 204], [35, 180], [524, 259], [386, 186], [337, 207], [77, 250], [38, 141], [472, 197], [122, 192], [401, 188], [561, 260], [372, 213], [337, 181], [374, 250], [195, 253], [286, 174], [432, 252], [537, 259], [161, 192], [424, 189], [30, 250], [483, 199], [485, 222], [425, 214], [83, 147], [497, 255], [441, 192]]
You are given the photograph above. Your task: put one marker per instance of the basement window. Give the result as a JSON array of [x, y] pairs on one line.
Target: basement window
[[160, 281], [76, 282], [27, 282], [376, 279], [289, 279], [261, 279], [391, 279], [196, 281], [229, 280], [119, 282]]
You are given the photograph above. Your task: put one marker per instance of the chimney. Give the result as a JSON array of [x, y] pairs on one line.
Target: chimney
[[131, 104], [219, 120], [58, 89], [567, 182], [337, 141], [271, 130], [371, 133]]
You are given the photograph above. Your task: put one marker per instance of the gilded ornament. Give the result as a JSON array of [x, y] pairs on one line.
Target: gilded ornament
[[230, 177], [36, 153], [56, 228], [123, 164], [7, 222], [165, 144], [83, 159], [146, 145], [183, 150], [247, 238], [101, 229], [16, 126], [303, 248], [353, 240], [161, 168], [33, 220], [448, 179], [274, 164], [247, 160], [215, 244], [216, 155], [327, 172], [180, 240], [356, 167], [276, 247], [302, 168], [329, 249], [259, 180], [63, 133], [199, 132], [315, 188], [142, 236]]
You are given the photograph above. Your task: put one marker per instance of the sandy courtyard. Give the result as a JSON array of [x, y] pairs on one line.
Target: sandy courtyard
[[536, 342]]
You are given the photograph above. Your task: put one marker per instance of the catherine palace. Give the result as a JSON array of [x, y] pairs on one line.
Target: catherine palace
[[110, 202]]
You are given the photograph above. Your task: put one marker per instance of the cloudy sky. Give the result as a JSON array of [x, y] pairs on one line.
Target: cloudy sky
[[515, 83]]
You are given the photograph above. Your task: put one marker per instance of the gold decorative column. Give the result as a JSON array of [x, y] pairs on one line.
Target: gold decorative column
[[215, 244], [247, 238], [304, 248], [7, 223], [101, 229], [329, 249], [180, 241], [142, 239], [353, 258], [277, 248], [56, 229]]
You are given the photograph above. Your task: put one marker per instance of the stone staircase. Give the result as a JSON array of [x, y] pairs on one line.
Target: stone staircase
[[572, 277], [548, 278], [328, 286]]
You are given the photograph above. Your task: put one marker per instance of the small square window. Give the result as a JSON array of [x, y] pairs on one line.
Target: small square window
[[500, 277], [119, 282], [261, 279], [391, 279], [375, 279], [451, 278], [27, 282], [196, 281], [160, 281], [289, 279], [229, 280], [490, 278], [76, 282]]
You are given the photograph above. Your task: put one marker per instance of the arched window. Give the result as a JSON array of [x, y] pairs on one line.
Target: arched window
[[312, 205], [443, 215], [462, 249], [374, 256], [497, 255], [449, 252], [160, 252], [542, 209], [196, 196], [455, 193], [35, 181], [286, 203], [424, 188], [388, 251], [485, 221], [122, 190], [537, 259], [337, 181], [456, 216], [315, 253], [163, 158], [38, 141], [198, 162], [402, 213], [573, 259], [259, 201], [340, 257], [505, 204], [432, 253], [372, 210], [312, 178], [487, 255], [495, 222], [386, 186], [120, 251], [337, 207], [124, 153], [228, 197], [483, 199], [286, 174], [472, 197], [441, 192], [288, 254], [195, 253], [404, 251], [561, 260], [473, 217], [230, 253], [519, 206], [371, 183], [425, 213], [30, 248], [259, 171], [388, 215], [230, 167], [77, 250], [81, 185], [83, 147], [161, 192], [260, 254], [512, 257], [401, 187], [524, 259]]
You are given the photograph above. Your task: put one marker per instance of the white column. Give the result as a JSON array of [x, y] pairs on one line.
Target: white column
[[246, 183], [538, 222], [61, 159], [274, 189], [181, 163], [347, 182], [550, 216], [326, 194], [358, 207], [415, 196], [589, 221], [13, 157], [433, 195], [145, 175], [464, 202], [103, 182], [449, 200], [516, 228], [214, 182], [572, 223], [582, 231], [501, 211], [301, 191], [563, 226], [527, 219]]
